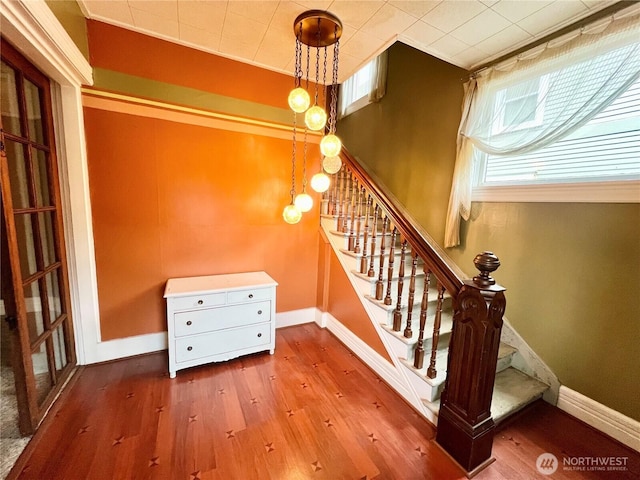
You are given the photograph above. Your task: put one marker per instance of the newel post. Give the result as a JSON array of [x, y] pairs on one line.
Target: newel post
[[465, 425]]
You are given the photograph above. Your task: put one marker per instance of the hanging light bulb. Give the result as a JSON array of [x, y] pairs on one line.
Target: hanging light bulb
[[299, 100], [320, 182], [330, 145], [315, 118], [291, 214], [331, 165], [304, 202]]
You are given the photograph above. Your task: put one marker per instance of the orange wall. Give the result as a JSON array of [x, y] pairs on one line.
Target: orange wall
[[136, 54], [174, 198], [171, 200]]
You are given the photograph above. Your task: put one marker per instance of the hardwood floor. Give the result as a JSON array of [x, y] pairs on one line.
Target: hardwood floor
[[311, 411]]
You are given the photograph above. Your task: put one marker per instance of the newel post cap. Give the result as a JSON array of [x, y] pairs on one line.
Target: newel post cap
[[486, 263]]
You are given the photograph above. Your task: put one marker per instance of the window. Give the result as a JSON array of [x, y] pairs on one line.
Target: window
[[521, 106], [606, 148], [557, 123], [365, 86]]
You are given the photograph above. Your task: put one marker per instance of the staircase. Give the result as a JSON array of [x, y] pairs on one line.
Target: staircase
[[397, 285]]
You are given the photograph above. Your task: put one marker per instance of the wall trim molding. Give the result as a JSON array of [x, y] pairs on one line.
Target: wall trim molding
[[132, 105], [624, 429], [623, 191]]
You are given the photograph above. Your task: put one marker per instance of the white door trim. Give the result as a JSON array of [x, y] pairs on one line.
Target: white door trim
[[33, 29]]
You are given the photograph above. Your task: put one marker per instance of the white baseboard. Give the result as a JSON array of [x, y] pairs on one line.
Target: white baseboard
[[321, 318], [369, 356], [295, 317], [127, 347], [624, 429], [154, 342]]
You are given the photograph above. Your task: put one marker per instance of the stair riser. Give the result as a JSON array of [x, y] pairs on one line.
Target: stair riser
[[407, 350], [376, 262], [417, 303]]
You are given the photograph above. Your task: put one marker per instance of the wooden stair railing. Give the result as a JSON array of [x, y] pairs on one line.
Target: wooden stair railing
[[465, 426]]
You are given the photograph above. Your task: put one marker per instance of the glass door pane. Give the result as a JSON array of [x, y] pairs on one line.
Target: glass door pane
[[32, 218]]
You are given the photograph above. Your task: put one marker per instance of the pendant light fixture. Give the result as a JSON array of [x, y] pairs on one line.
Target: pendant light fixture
[[316, 29]]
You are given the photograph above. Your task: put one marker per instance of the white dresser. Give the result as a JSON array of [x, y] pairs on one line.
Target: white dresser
[[219, 317]]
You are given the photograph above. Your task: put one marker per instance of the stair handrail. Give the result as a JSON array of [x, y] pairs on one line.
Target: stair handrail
[[437, 260], [465, 425]]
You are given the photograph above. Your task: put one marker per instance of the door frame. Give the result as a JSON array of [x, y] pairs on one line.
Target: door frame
[[37, 34]]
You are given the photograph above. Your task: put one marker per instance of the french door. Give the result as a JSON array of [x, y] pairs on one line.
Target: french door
[[34, 281]]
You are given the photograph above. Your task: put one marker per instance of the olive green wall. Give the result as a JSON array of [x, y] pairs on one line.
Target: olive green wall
[[408, 139], [70, 16], [572, 270]]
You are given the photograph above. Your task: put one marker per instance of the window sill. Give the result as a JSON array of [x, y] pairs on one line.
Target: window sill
[[592, 192], [357, 105]]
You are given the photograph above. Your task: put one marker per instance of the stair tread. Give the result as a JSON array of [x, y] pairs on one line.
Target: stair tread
[[504, 350], [512, 391]]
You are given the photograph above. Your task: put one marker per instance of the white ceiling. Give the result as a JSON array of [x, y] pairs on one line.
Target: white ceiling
[[466, 33]]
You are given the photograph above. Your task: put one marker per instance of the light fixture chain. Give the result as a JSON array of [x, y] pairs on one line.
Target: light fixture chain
[[304, 163], [298, 67], [317, 73], [308, 49], [334, 87], [324, 76], [293, 160]]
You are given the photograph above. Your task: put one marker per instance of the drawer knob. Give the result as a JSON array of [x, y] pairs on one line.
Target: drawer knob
[[189, 348], [251, 295], [259, 312], [188, 322], [259, 335], [200, 302]]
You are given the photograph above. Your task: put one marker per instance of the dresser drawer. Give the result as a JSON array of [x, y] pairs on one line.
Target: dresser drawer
[[198, 301], [210, 319], [224, 341], [249, 295]]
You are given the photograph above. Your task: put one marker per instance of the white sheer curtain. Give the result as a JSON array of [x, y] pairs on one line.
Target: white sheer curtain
[[378, 78], [541, 97]]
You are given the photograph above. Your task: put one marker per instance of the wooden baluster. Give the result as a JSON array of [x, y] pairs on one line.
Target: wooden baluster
[[356, 246], [340, 197], [363, 259], [431, 371], [418, 358], [336, 178], [387, 298], [348, 187], [412, 293], [374, 233], [397, 313], [354, 204], [379, 283]]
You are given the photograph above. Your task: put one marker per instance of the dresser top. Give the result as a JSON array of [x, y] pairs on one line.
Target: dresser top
[[180, 287]]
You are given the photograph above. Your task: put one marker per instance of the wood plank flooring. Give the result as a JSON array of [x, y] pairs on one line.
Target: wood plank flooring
[[310, 411]]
